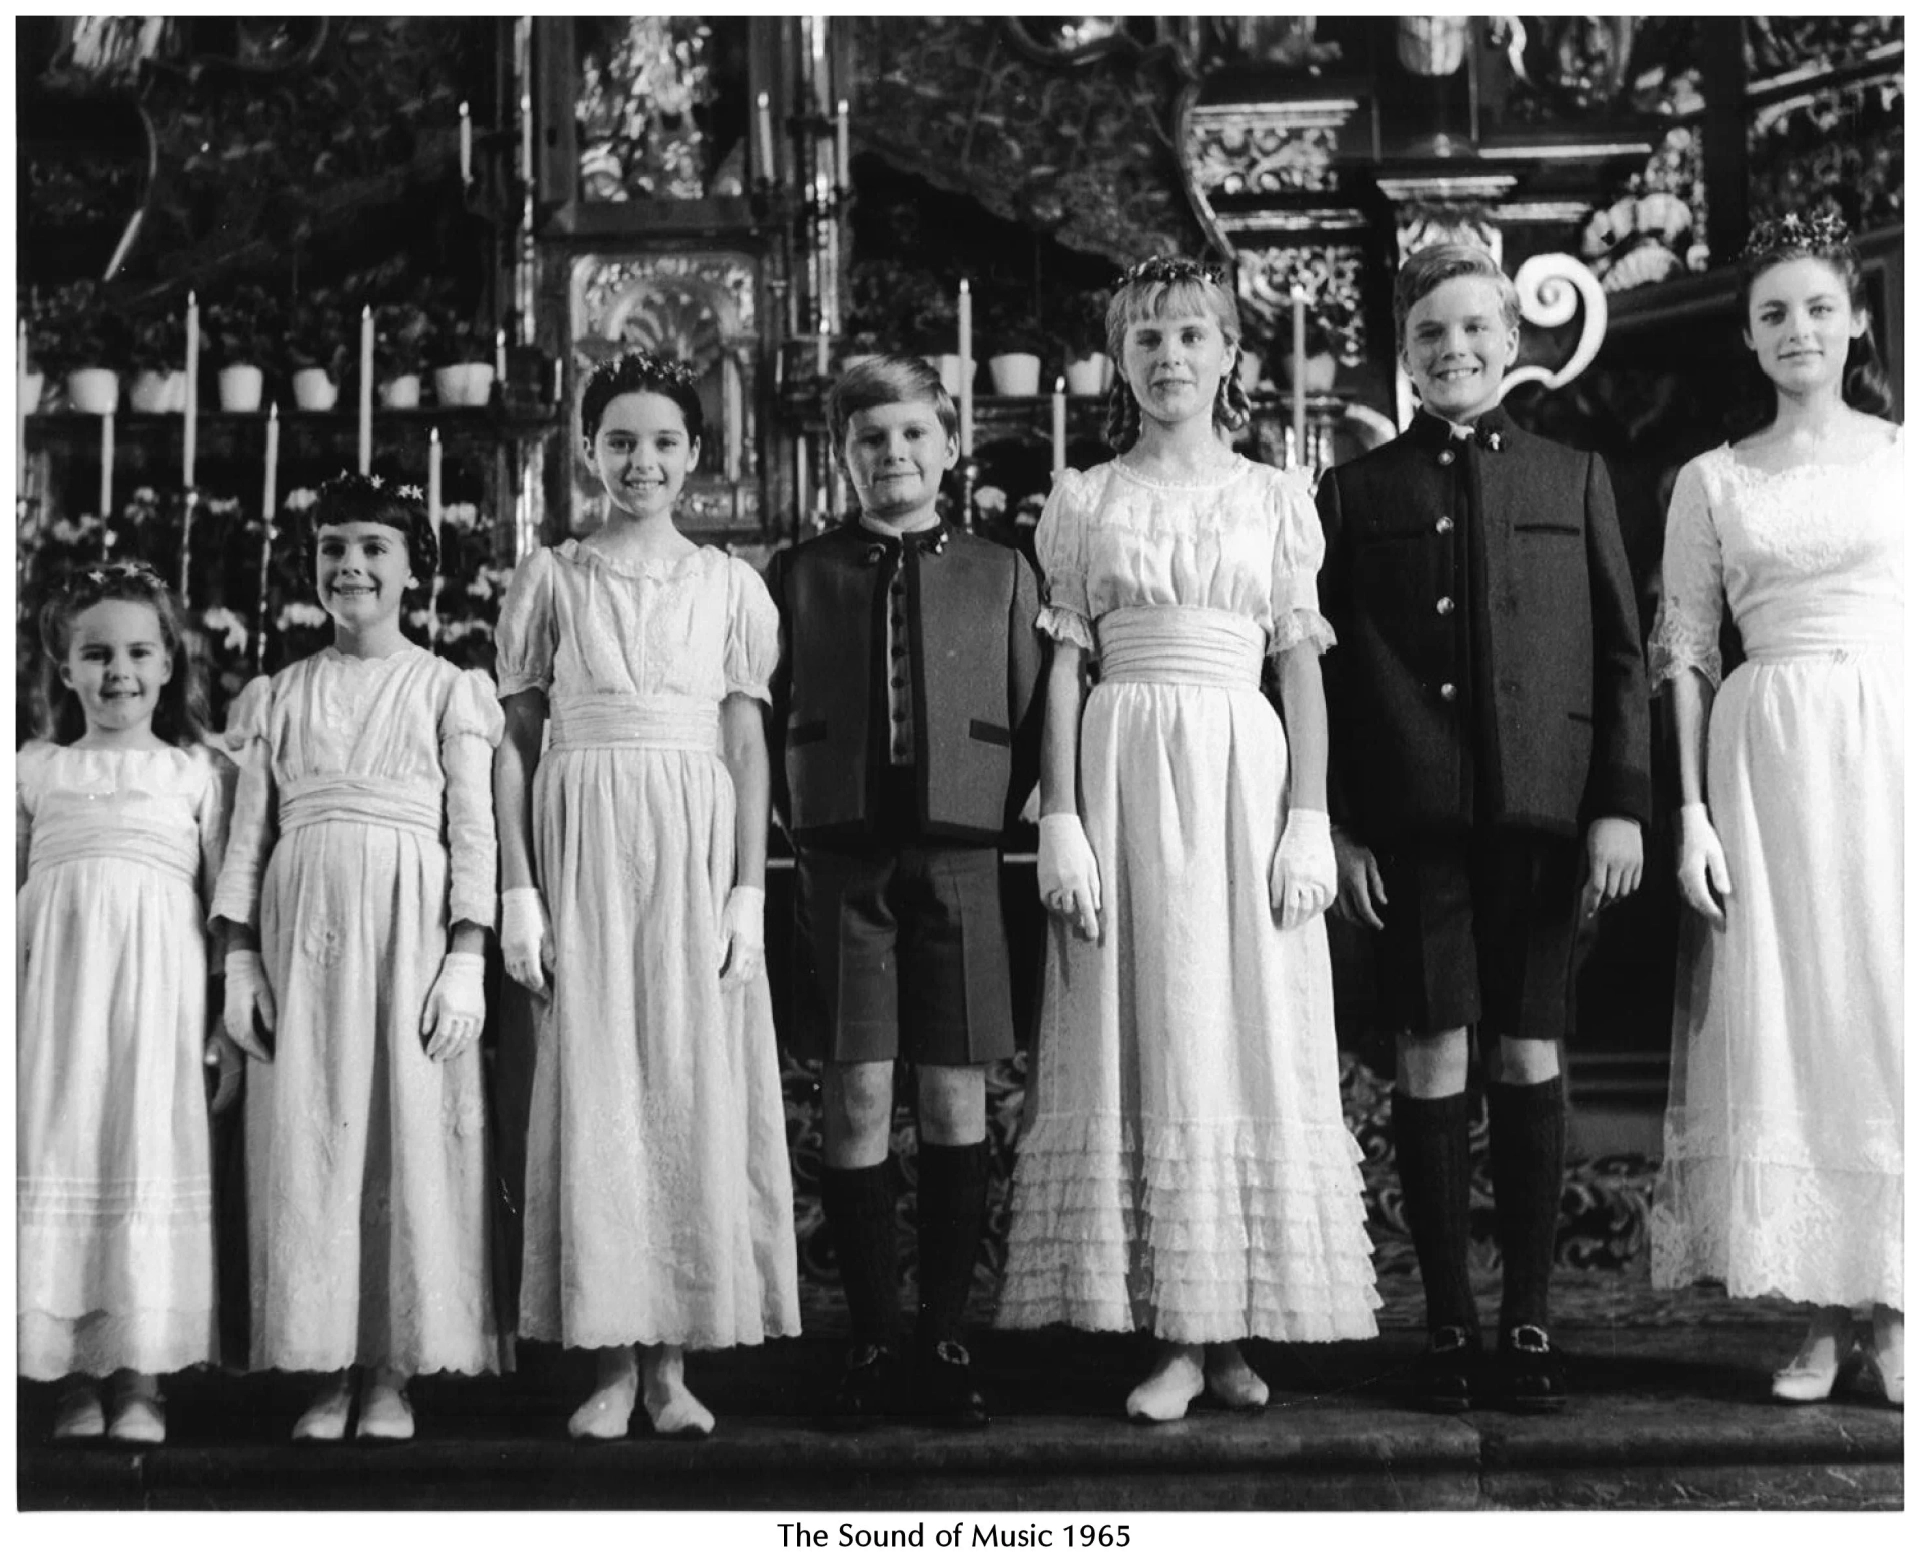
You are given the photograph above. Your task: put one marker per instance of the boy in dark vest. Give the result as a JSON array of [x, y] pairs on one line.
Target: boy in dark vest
[[1488, 786], [905, 722]]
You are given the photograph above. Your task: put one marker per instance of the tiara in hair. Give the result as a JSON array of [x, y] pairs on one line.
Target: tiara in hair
[[1818, 233], [660, 369], [118, 572], [1162, 270]]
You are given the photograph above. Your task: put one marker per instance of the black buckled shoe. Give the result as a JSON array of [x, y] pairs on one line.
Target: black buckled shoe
[[1532, 1374], [946, 1391], [1446, 1376], [867, 1391]]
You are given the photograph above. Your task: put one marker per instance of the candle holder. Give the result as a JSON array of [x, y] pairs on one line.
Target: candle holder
[[967, 477]]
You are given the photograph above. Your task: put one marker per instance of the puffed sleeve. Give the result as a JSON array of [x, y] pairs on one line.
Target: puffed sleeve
[[471, 724], [525, 635], [753, 633], [213, 814], [250, 830], [1060, 543], [1299, 546], [1686, 628]]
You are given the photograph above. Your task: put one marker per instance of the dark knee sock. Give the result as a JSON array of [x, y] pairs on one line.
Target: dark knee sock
[[1527, 1149], [859, 1207], [953, 1215], [1430, 1144]]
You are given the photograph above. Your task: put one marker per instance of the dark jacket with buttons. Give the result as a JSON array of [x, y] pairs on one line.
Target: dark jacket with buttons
[[1489, 665], [975, 657]]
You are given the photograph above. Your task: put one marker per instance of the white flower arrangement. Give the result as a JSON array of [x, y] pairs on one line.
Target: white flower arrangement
[[228, 627], [299, 614], [300, 499]]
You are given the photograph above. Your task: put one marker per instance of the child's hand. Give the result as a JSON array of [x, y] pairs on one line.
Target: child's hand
[[224, 1058], [1704, 881], [526, 936], [456, 1006], [1304, 875], [249, 999], [1613, 863], [1069, 874], [1362, 892], [743, 934]]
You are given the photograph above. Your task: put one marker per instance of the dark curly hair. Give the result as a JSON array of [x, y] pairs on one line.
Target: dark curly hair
[[1158, 288], [1863, 385], [349, 498], [180, 717], [641, 372]]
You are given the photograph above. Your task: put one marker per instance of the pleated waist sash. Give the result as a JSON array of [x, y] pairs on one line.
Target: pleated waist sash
[[1180, 645], [120, 837], [634, 722], [373, 801]]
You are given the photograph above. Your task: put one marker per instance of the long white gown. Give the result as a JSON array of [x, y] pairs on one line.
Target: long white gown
[[659, 1197], [115, 1181], [1785, 1144], [1186, 1167]]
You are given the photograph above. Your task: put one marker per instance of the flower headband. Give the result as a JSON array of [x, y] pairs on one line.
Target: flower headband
[[347, 481], [119, 572], [1818, 233], [657, 369], [1160, 270]]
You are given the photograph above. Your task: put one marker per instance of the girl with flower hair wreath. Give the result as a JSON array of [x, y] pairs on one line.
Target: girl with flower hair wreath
[[120, 818], [1185, 1168], [1785, 1139], [357, 893], [659, 1204]]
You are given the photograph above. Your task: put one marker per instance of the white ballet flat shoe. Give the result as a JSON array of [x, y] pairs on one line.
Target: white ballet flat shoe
[[325, 1418], [1163, 1397], [1232, 1382], [606, 1415], [1890, 1354], [385, 1413], [1810, 1378], [139, 1413], [676, 1411], [78, 1415]]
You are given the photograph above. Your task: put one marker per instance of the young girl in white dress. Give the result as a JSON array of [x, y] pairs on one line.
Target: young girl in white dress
[[1186, 1168], [119, 823], [659, 1205], [357, 893], [1785, 1143]]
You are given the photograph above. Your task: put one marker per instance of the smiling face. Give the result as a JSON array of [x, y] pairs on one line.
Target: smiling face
[[1799, 325], [896, 454], [1457, 347], [116, 662], [1174, 365], [642, 453], [361, 572]]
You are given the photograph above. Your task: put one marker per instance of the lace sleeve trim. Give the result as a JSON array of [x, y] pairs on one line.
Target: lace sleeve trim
[[1066, 626], [1298, 626], [1678, 644]]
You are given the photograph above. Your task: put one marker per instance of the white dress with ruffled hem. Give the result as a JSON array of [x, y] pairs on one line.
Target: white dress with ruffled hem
[[1186, 1168]]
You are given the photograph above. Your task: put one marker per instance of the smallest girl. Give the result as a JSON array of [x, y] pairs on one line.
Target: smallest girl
[[121, 819], [358, 892]]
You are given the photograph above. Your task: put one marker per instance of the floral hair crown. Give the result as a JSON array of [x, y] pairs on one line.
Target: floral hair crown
[[111, 572], [1161, 270], [349, 483], [1821, 233], [646, 365]]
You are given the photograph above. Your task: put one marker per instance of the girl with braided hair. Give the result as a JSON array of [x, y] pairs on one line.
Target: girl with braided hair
[[1785, 1144], [659, 1210], [1185, 1169], [357, 894]]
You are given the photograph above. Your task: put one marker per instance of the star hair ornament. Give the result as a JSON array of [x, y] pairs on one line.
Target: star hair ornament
[[1819, 233]]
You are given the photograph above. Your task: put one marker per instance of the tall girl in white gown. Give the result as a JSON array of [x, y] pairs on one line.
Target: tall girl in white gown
[[1186, 1169], [633, 859], [1785, 1143]]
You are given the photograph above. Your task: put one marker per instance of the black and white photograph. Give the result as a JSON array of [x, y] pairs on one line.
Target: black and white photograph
[[959, 781]]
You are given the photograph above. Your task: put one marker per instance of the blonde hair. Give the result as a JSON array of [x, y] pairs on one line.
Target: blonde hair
[[1160, 288], [1431, 268]]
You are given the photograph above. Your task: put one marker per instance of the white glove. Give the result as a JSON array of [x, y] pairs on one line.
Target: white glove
[[223, 1057], [456, 1006], [1703, 864], [248, 999], [1304, 876], [1069, 873], [743, 934], [526, 936]]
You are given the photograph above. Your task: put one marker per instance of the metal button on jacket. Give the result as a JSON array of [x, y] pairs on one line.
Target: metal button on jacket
[[1446, 455], [1449, 691], [1443, 526], [1443, 605]]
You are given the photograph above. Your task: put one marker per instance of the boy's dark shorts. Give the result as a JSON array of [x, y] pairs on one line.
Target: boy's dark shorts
[[1479, 931], [900, 952]]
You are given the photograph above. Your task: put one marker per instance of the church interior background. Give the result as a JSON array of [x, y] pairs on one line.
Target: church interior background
[[449, 221]]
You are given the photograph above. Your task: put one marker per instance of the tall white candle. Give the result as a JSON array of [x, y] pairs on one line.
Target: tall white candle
[[1300, 372], [817, 46], [106, 475], [366, 389], [188, 441], [526, 141], [843, 146], [269, 503], [433, 522], [1059, 425], [731, 395], [802, 490], [466, 145], [20, 421], [966, 368], [822, 347], [763, 118], [500, 358], [270, 491]]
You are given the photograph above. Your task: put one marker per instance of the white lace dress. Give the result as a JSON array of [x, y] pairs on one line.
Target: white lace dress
[[362, 830], [1186, 1168], [1785, 1146], [659, 1198], [116, 1257]]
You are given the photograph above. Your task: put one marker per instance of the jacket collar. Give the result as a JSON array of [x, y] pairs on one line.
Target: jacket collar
[[876, 547], [1492, 429]]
